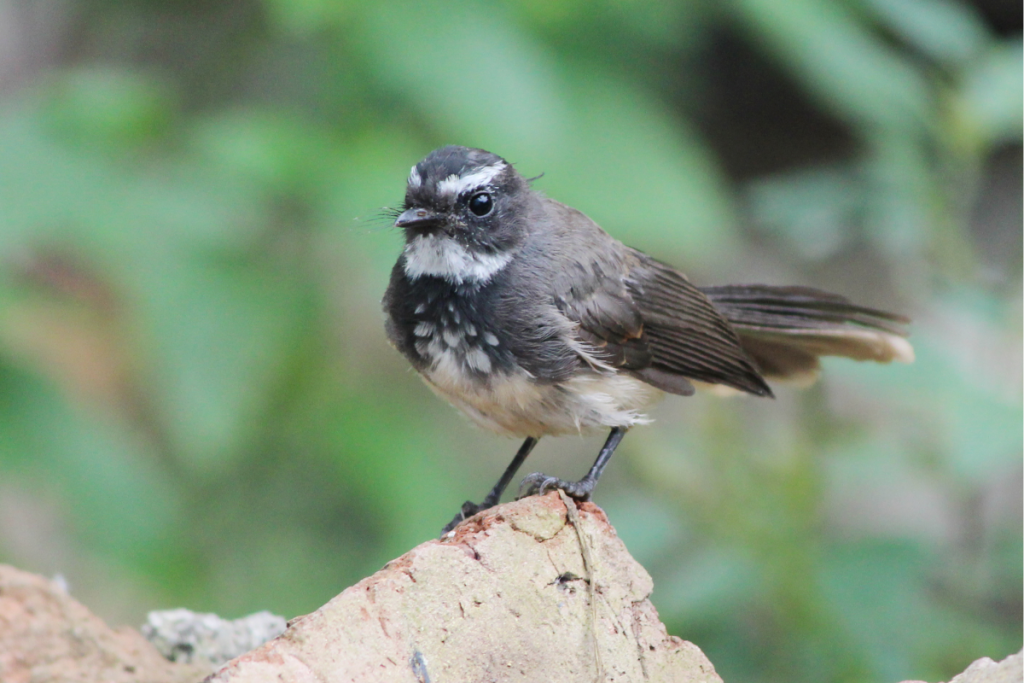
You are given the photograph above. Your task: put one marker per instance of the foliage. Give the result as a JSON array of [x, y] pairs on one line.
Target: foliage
[[197, 404]]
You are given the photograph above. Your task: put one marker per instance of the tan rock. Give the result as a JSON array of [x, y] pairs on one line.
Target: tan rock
[[528, 591], [48, 637]]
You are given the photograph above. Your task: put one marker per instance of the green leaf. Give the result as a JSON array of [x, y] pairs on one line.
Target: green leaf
[[955, 392], [54, 192], [883, 595], [605, 147], [218, 335], [278, 152], [649, 528], [840, 61], [877, 591], [108, 106], [215, 329], [498, 87], [644, 177], [300, 17], [122, 501], [949, 31], [815, 209], [367, 175], [899, 200], [993, 93], [717, 580]]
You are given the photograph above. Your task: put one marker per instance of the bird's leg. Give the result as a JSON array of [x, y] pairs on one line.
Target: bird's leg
[[538, 483], [491, 499]]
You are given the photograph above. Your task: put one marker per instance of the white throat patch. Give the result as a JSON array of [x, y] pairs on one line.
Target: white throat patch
[[443, 257], [454, 185]]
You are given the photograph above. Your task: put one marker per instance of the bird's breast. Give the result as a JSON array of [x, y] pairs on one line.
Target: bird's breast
[[465, 364], [478, 361], [463, 350]]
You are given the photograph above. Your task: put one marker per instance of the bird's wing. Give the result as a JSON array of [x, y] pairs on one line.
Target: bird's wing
[[685, 333], [644, 317]]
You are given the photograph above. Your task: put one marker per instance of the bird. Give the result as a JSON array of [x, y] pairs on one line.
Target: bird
[[533, 321]]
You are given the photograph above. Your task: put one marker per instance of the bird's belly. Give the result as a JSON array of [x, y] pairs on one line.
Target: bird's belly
[[516, 404]]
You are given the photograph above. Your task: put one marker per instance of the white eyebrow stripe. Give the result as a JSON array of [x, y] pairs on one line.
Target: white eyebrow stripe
[[415, 180], [454, 185]]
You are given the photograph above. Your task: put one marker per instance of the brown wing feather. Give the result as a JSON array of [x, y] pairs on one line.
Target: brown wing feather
[[686, 334], [609, 323], [642, 316]]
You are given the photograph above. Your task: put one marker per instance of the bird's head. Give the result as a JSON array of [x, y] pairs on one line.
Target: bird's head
[[463, 216]]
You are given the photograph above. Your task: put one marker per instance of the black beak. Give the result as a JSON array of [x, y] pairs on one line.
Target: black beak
[[417, 218]]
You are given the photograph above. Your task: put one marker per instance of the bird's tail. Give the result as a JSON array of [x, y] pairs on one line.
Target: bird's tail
[[785, 330]]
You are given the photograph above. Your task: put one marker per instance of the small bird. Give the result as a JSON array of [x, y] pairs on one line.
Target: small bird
[[528, 317]]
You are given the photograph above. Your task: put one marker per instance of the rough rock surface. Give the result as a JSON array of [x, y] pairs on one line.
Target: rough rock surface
[[182, 635], [984, 670], [529, 591], [46, 637]]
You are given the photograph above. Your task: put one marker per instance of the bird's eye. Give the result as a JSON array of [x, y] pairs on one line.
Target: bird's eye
[[481, 203]]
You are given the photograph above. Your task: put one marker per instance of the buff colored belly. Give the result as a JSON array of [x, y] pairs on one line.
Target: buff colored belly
[[515, 405]]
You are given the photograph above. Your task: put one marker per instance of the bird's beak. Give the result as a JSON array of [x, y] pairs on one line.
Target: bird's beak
[[417, 218]]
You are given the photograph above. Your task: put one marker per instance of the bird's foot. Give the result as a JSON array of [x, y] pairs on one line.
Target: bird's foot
[[539, 483], [469, 509]]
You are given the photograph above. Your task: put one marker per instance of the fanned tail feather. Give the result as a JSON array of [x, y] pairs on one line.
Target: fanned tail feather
[[785, 330]]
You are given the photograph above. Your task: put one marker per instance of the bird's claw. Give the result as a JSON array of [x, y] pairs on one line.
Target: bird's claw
[[467, 510], [539, 483], [535, 484]]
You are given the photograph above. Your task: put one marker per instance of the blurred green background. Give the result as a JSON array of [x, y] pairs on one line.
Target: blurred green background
[[198, 406]]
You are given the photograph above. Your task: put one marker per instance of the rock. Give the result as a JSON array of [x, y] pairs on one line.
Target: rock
[[534, 590], [182, 635], [984, 670], [48, 637], [537, 590]]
